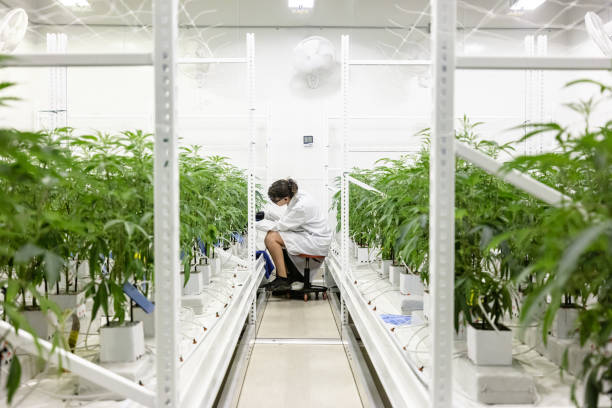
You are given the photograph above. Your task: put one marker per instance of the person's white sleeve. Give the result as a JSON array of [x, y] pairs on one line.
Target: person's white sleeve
[[292, 220], [265, 225], [269, 215]]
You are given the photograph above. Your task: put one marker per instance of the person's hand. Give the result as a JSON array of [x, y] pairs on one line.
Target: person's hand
[[259, 216]]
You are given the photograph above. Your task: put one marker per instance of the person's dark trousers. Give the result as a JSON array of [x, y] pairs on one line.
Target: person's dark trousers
[[293, 275]]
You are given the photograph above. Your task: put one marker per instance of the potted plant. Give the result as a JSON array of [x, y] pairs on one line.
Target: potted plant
[[575, 253], [489, 342]]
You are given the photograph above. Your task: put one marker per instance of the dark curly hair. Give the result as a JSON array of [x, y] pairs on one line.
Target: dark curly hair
[[282, 188]]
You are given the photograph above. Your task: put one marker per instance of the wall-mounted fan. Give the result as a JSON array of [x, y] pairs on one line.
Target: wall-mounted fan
[[314, 58], [600, 33], [198, 72], [13, 27]]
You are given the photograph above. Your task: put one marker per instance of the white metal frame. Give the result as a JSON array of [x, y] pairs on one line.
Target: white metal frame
[[166, 207], [442, 193], [442, 202]]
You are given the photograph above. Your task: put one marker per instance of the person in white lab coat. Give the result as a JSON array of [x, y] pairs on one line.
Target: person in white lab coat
[[302, 229]]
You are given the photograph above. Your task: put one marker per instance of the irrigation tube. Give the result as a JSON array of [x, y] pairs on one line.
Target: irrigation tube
[[79, 366]]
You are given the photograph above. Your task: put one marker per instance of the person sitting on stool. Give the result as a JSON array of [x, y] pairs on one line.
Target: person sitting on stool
[[302, 229]]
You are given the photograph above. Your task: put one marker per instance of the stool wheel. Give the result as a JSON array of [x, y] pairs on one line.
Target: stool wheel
[[305, 297]]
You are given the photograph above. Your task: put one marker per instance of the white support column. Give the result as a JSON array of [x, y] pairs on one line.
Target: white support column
[[345, 151], [442, 201], [166, 204], [252, 234]]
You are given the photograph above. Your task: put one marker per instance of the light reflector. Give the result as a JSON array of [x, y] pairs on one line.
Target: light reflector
[[523, 5], [75, 3], [301, 4]]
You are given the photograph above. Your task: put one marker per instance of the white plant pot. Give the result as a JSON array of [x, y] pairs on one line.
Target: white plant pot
[[426, 305], [404, 283], [355, 249], [42, 324], [71, 301], [394, 275], [194, 286], [417, 285], [216, 265], [489, 347], [206, 272], [386, 263], [122, 343], [411, 284], [147, 319], [564, 325], [363, 255]]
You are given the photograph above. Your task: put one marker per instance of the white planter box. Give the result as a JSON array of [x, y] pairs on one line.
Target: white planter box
[[206, 272], [394, 275], [386, 263], [489, 347], [122, 343], [71, 301], [404, 283], [427, 305], [195, 284], [411, 284], [147, 319], [215, 263], [564, 325], [363, 255], [42, 324]]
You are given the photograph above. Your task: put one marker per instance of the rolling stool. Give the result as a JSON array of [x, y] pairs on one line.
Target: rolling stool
[[308, 288]]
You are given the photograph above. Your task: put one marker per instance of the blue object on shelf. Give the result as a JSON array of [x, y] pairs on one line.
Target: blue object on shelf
[[138, 298], [201, 245], [238, 237], [396, 320], [269, 266]]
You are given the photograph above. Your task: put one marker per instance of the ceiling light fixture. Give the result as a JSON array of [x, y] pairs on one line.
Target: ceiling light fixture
[[75, 3], [524, 5], [301, 5]]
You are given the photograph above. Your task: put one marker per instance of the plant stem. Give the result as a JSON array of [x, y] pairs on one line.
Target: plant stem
[[76, 276]]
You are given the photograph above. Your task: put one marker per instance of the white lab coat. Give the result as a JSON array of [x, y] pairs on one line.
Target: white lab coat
[[304, 229]]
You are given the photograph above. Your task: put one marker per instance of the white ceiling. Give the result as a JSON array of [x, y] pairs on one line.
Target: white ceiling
[[327, 13]]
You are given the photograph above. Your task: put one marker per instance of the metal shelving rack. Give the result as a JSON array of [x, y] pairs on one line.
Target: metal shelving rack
[[166, 212], [442, 196]]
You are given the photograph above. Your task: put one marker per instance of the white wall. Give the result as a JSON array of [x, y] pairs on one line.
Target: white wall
[[212, 111]]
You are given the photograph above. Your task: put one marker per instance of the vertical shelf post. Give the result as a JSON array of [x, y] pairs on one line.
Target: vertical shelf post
[[344, 194], [442, 201], [166, 204], [250, 46]]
